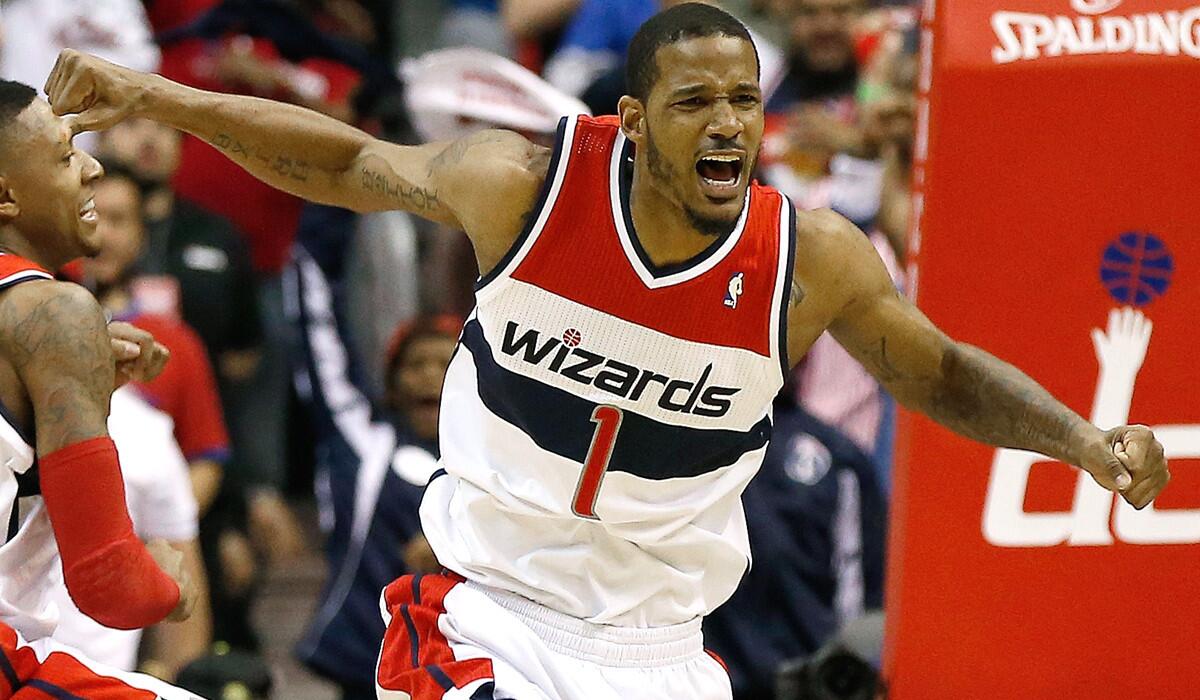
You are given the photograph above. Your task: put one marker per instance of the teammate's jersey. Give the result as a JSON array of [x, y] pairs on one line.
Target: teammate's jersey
[[602, 416], [28, 556]]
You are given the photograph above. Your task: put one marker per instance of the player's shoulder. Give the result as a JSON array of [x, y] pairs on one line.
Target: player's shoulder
[[49, 318], [834, 255], [497, 153], [827, 239], [47, 299], [824, 227]]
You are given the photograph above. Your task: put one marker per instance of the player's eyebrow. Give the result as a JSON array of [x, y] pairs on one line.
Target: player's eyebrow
[[688, 90]]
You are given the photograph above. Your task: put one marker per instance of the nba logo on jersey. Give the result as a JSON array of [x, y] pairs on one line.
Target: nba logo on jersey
[[735, 290]]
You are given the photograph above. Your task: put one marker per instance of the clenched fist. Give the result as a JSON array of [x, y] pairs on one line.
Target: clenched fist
[[138, 356], [95, 93], [1130, 461]]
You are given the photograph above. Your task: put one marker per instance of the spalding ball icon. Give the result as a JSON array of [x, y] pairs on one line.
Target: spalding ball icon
[[1136, 268]]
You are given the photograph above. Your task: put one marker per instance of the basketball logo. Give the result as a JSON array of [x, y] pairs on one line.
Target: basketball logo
[[1136, 268], [571, 337]]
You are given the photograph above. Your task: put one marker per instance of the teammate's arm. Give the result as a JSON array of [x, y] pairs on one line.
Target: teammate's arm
[[965, 388], [484, 183], [55, 337], [169, 647]]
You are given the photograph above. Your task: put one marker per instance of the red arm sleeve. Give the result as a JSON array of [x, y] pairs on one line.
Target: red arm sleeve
[[109, 573]]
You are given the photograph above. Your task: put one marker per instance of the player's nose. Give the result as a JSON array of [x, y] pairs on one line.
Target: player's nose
[[92, 170], [724, 123]]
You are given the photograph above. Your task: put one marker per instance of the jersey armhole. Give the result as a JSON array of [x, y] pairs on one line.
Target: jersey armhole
[[787, 271], [536, 221]]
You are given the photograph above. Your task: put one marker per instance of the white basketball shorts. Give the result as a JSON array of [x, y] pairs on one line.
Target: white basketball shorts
[[449, 639]]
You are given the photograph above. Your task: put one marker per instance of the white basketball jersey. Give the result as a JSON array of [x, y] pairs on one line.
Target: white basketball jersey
[[601, 415]]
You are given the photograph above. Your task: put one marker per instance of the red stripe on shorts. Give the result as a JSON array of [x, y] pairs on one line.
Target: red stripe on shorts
[[413, 644], [60, 675]]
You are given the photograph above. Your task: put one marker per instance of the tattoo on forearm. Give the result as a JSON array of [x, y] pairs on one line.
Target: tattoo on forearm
[[408, 197], [886, 370], [283, 165], [994, 402]]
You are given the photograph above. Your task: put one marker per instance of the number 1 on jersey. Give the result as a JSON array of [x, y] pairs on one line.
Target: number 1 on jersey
[[608, 422]]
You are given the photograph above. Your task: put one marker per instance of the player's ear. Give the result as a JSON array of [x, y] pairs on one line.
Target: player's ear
[[9, 208], [633, 118]]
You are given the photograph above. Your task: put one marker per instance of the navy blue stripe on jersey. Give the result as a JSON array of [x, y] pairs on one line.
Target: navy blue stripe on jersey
[[434, 475], [440, 676], [487, 691], [54, 691], [23, 276], [561, 423], [414, 641], [10, 673], [785, 289], [556, 160], [29, 483], [14, 522], [416, 585]]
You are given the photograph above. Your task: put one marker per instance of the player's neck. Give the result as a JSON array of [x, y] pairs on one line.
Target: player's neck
[[661, 225], [14, 243]]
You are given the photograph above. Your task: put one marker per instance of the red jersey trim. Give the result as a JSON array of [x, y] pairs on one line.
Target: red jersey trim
[[623, 218], [551, 186], [578, 255], [14, 269]]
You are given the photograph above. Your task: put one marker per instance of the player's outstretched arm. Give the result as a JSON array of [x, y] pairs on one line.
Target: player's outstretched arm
[[483, 179], [965, 388], [54, 335]]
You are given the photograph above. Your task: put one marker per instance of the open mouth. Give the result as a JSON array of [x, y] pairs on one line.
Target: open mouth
[[720, 174], [88, 211]]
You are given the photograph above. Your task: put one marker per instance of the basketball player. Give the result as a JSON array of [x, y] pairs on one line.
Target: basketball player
[[605, 407], [60, 485]]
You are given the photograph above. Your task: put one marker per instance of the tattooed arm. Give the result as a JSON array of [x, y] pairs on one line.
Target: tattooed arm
[[483, 184], [54, 335], [961, 386]]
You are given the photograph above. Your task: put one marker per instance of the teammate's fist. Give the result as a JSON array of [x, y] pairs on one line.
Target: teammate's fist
[[1131, 462], [170, 560], [138, 356], [96, 93]]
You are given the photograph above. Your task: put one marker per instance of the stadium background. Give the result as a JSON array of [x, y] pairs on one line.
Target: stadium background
[[1023, 166]]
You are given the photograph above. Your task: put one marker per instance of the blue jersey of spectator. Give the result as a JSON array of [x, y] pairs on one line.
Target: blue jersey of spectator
[[370, 476], [816, 518]]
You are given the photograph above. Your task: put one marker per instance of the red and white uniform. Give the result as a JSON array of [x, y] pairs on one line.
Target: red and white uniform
[[30, 571], [602, 416]]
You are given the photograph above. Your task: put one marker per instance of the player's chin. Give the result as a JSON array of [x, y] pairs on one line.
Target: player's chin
[[716, 215], [87, 241]]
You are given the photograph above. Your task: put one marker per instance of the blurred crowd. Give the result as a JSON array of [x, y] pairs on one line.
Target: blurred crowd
[[309, 344]]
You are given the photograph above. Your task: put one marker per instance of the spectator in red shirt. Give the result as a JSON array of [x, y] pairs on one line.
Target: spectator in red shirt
[[249, 66]]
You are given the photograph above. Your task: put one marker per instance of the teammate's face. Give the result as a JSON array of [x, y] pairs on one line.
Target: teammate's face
[[120, 230], [48, 185], [701, 127], [418, 382]]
